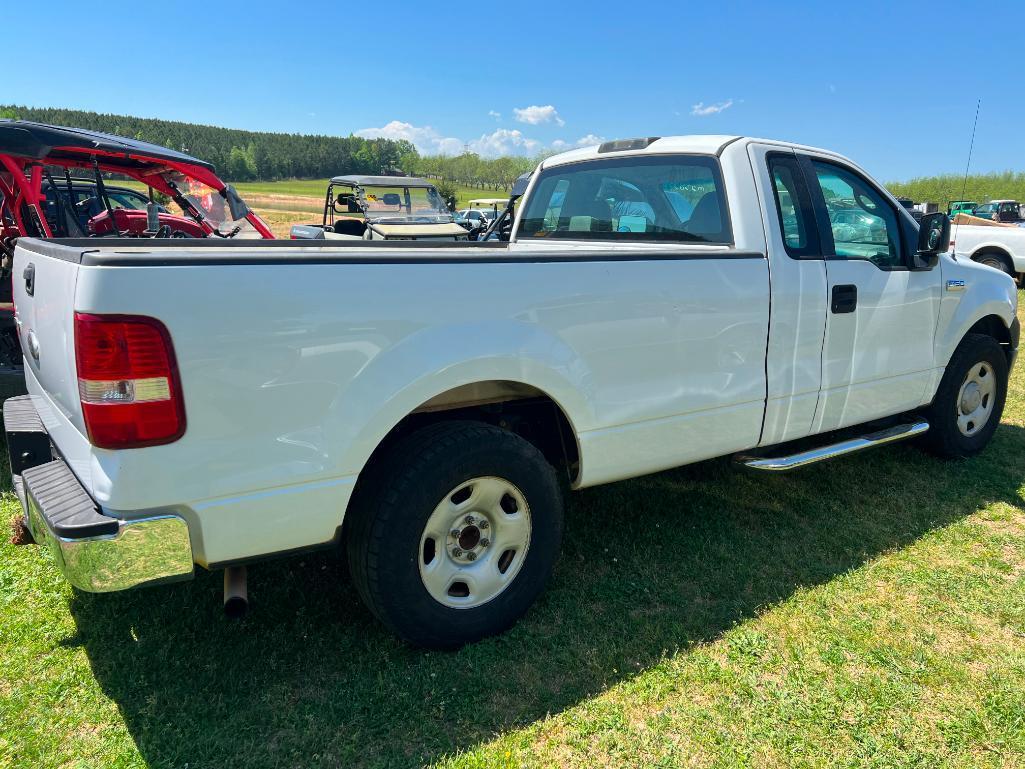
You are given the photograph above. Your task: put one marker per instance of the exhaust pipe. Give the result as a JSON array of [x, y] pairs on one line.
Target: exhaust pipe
[[236, 602]]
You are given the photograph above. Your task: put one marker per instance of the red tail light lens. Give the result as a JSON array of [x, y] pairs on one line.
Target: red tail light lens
[[128, 381]]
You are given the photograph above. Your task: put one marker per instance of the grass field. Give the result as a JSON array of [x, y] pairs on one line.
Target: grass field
[[282, 204], [869, 612], [301, 201], [315, 189]]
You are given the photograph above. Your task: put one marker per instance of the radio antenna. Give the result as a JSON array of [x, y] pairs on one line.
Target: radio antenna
[[968, 165]]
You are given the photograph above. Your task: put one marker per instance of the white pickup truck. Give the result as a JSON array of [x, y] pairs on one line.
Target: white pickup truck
[[660, 302], [999, 246]]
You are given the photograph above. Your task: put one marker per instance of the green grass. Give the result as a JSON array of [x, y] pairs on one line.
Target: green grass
[[316, 188], [869, 612], [312, 188]]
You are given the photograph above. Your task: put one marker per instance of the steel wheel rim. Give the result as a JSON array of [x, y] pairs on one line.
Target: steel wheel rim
[[975, 399], [475, 542]]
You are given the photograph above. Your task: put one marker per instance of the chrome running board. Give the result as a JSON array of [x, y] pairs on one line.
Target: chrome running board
[[811, 456]]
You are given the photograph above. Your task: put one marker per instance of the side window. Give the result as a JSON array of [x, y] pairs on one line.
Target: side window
[[673, 198], [120, 199], [863, 223], [793, 207], [87, 203]]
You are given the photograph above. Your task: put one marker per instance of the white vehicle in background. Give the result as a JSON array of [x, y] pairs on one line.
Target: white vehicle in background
[[424, 406], [481, 212], [997, 245], [382, 208]]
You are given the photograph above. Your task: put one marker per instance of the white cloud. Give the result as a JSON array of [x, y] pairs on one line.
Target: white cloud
[[501, 141], [584, 141], [701, 110], [426, 140], [504, 141], [535, 115], [494, 114]]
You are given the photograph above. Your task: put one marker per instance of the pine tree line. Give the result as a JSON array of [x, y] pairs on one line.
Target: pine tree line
[[241, 155]]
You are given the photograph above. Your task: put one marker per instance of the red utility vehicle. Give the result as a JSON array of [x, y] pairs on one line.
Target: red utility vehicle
[[43, 194]]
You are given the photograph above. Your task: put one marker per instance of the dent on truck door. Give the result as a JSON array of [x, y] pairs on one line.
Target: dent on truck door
[[877, 353]]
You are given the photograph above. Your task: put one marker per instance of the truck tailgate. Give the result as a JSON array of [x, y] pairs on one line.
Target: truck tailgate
[[44, 298]]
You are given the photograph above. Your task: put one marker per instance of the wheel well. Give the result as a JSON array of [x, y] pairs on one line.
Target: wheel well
[[993, 325], [525, 410], [998, 252]]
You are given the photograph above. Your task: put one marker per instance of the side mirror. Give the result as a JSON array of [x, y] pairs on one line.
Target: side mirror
[[344, 203], [520, 185], [933, 240]]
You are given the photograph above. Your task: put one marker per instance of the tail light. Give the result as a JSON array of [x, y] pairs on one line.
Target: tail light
[[128, 381]]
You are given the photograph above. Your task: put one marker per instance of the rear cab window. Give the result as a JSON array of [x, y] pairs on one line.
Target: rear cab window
[[794, 210], [663, 198]]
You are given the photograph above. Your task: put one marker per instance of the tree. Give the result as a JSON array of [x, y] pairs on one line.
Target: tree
[[241, 165]]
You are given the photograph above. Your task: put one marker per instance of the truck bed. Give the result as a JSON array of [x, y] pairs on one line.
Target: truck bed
[[137, 252]]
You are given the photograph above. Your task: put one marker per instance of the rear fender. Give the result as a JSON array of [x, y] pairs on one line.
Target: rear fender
[[437, 359]]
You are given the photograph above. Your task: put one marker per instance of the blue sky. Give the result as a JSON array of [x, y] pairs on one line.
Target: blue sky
[[892, 85]]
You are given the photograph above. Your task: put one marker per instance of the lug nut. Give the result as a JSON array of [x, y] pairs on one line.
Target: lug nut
[[469, 520], [484, 524], [456, 552], [485, 542], [454, 533], [471, 556]]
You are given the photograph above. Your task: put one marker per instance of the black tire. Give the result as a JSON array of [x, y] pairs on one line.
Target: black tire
[[945, 438], [401, 492], [997, 260]]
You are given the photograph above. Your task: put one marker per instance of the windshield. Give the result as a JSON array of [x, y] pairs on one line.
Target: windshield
[[402, 204], [213, 205]]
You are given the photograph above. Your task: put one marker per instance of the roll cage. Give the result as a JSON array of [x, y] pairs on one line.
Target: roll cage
[[28, 152]]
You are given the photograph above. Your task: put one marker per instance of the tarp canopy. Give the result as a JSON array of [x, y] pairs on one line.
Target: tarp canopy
[[381, 181]]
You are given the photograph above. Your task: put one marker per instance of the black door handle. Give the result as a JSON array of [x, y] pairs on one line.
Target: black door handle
[[30, 279], [845, 298]]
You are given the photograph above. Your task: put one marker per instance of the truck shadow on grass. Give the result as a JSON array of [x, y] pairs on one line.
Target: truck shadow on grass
[[649, 567]]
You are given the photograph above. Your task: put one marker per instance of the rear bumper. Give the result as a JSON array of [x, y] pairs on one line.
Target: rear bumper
[[96, 552]]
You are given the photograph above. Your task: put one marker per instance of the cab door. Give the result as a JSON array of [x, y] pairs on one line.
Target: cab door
[[793, 367], [877, 355]]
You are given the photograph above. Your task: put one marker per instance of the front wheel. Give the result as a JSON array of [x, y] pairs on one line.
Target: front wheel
[[454, 533], [970, 399]]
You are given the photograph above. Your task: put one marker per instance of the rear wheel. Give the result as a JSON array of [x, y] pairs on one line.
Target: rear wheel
[[970, 399], [454, 533], [996, 260]]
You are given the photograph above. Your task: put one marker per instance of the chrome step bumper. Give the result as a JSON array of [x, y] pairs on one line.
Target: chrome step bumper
[[96, 552], [832, 451]]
